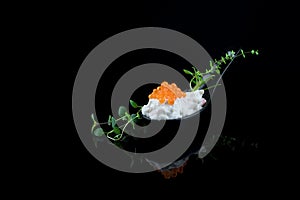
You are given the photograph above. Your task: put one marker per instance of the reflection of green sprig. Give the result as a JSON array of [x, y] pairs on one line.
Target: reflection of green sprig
[[117, 131], [201, 78]]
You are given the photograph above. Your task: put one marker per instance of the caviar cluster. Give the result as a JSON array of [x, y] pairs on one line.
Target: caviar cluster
[[167, 92]]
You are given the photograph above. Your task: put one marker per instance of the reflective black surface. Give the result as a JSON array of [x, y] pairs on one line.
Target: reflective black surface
[[251, 87]]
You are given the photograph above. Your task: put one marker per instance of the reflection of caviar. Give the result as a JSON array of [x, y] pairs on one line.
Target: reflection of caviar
[[172, 173], [167, 92]]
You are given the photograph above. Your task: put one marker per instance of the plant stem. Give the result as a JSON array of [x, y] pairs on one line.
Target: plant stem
[[213, 86], [123, 129], [197, 86]]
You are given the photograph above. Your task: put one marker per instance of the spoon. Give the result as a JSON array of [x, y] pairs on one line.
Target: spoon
[[208, 101]]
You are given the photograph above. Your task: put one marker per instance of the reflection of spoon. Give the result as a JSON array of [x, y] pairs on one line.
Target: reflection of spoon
[[205, 78]]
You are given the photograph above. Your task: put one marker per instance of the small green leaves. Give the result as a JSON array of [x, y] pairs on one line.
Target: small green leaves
[[198, 79], [188, 72], [223, 60], [243, 53], [195, 70], [98, 132], [109, 120], [254, 52], [117, 130], [133, 104], [138, 115], [122, 111], [113, 122], [218, 62], [227, 57], [116, 133]]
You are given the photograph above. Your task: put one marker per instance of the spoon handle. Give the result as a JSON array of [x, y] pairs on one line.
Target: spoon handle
[[214, 88]]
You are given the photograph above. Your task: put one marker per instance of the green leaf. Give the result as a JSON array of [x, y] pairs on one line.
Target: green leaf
[[113, 122], [109, 120], [117, 130], [217, 71], [98, 132], [256, 52], [133, 104], [195, 70], [188, 72], [199, 73], [122, 111], [252, 51], [243, 53], [227, 57], [223, 59], [138, 115]]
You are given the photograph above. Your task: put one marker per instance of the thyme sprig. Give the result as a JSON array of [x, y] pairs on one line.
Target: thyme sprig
[[117, 131], [200, 78]]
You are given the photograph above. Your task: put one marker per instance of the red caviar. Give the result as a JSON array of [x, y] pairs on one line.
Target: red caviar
[[167, 92]]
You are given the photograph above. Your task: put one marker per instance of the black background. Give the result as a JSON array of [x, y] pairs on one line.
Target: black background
[[66, 33]]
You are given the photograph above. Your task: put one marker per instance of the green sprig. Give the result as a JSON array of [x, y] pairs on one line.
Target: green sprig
[[116, 132], [197, 81]]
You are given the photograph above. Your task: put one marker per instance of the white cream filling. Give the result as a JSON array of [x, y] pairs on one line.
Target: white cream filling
[[182, 107]]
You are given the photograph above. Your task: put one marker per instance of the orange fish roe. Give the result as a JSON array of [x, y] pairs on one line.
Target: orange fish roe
[[166, 91]]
